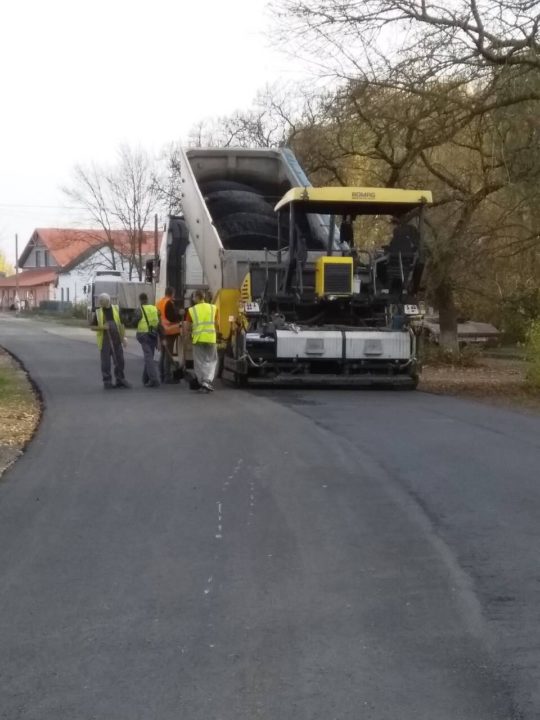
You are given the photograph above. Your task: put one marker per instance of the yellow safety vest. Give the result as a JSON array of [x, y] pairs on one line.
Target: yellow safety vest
[[153, 319], [203, 317], [101, 324]]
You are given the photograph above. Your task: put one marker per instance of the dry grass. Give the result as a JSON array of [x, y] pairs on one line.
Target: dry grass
[[19, 410], [493, 380]]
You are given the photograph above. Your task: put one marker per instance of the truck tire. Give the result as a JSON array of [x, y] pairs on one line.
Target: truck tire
[[218, 185], [248, 231], [230, 202]]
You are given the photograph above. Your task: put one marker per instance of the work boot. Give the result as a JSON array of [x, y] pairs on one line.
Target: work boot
[[122, 384], [108, 385]]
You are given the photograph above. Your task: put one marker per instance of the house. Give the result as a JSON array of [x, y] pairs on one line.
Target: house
[[58, 263], [33, 287]]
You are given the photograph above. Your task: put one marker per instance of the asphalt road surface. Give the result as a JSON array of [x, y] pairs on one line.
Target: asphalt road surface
[[276, 555]]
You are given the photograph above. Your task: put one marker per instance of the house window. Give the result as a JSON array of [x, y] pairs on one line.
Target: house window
[[46, 258], [38, 258], [62, 294], [67, 294]]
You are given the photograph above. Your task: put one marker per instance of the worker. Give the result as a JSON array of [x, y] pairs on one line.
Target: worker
[[169, 331], [111, 338], [146, 319], [202, 322], [405, 237]]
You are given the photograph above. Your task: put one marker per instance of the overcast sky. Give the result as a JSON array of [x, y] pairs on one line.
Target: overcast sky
[[79, 77]]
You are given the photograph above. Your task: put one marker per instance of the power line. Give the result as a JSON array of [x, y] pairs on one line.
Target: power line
[[44, 207]]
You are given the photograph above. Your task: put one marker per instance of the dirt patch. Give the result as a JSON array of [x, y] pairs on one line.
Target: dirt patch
[[493, 380], [20, 410]]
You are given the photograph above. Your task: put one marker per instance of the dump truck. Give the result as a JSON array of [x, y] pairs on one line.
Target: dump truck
[[124, 293], [298, 301]]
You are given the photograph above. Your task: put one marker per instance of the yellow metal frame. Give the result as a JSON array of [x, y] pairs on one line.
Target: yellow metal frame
[[245, 289], [355, 196], [227, 302], [320, 265]]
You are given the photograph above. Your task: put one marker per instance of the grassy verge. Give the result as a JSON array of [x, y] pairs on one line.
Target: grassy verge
[[498, 381], [19, 410], [58, 319]]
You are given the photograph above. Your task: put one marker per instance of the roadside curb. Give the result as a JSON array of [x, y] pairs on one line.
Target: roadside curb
[[41, 410]]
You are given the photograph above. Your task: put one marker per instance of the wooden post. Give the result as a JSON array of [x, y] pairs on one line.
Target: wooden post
[[155, 239], [17, 298]]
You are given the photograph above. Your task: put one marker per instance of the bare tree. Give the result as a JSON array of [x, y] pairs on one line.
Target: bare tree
[[122, 197], [464, 36], [134, 198], [273, 120], [167, 180], [89, 190]]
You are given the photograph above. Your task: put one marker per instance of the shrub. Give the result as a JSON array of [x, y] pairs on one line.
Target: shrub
[[533, 355], [518, 310], [79, 310]]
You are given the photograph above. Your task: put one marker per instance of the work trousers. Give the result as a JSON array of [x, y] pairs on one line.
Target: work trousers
[[205, 359], [112, 349], [165, 359], [148, 343]]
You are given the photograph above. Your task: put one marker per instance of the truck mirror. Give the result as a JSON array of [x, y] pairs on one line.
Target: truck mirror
[[149, 271]]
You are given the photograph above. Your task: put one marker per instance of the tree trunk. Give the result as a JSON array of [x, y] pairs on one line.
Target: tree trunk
[[444, 300], [139, 249], [113, 257]]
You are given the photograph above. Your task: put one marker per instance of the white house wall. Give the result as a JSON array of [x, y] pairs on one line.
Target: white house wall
[[44, 254], [70, 285]]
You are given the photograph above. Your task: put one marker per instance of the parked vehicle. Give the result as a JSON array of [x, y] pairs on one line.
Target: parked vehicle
[[470, 332], [124, 293]]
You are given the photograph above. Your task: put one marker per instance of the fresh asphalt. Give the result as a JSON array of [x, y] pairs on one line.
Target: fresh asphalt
[[272, 555]]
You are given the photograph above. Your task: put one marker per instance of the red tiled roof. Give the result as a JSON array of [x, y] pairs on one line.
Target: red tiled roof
[[30, 278], [67, 244]]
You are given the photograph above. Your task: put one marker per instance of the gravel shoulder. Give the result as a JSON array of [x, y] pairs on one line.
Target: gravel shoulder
[[20, 410]]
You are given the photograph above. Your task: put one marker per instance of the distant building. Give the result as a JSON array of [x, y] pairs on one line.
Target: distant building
[[58, 263]]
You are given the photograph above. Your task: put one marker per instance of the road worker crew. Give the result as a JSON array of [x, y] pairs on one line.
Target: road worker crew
[[146, 318], [170, 330], [202, 321], [111, 334]]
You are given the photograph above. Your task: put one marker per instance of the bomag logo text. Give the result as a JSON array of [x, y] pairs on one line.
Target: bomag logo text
[[363, 196]]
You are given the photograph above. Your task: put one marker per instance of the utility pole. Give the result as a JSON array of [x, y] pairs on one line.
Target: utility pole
[[155, 237], [17, 298], [155, 263]]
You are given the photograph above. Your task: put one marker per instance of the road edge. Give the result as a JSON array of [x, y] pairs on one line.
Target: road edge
[[38, 394]]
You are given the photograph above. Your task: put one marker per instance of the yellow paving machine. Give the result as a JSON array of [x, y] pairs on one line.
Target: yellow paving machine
[[301, 300]]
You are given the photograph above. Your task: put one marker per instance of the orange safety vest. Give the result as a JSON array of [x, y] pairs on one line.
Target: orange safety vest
[[169, 328]]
